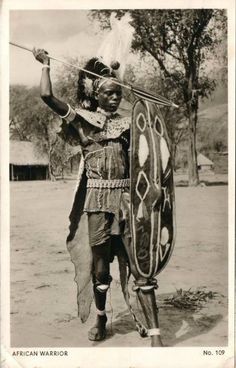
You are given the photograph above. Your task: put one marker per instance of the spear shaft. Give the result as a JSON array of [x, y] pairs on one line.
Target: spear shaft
[[162, 100]]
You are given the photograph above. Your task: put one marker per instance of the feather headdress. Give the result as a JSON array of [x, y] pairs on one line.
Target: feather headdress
[[87, 83], [115, 47], [109, 61]]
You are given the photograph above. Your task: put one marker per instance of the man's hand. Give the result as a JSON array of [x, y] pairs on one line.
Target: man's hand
[[41, 55]]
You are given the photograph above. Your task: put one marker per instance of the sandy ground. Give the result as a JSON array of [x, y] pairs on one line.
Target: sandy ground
[[43, 294]]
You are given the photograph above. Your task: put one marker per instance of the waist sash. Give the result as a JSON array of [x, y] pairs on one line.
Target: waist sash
[[108, 183]]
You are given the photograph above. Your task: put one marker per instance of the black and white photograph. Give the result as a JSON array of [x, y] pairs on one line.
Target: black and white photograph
[[117, 184]]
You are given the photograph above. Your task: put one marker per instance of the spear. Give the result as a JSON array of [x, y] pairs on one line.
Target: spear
[[137, 91]]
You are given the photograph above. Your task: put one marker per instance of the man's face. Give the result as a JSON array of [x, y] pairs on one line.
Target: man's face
[[109, 96]]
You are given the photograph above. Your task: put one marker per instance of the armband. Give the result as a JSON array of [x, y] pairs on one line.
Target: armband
[[70, 115]]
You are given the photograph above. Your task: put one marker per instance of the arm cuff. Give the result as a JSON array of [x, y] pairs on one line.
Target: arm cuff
[[70, 115]]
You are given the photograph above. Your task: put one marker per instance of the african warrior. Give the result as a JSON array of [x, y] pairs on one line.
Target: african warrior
[[103, 186]]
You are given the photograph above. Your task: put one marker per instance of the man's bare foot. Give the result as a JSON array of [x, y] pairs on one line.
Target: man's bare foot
[[98, 332]]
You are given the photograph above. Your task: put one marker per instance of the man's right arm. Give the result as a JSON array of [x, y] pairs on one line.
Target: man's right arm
[[58, 106], [64, 110]]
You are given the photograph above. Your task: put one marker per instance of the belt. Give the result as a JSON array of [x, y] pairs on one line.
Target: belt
[[110, 183]]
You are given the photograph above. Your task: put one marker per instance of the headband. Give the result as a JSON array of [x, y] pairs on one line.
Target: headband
[[98, 83]]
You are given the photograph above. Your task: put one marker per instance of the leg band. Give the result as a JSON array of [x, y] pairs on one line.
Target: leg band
[[154, 331], [101, 313], [102, 288], [144, 288], [145, 285]]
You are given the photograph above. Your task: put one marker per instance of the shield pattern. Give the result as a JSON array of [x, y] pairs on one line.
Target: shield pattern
[[152, 210]]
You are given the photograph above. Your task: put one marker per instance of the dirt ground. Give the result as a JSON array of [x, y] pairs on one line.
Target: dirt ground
[[43, 293]]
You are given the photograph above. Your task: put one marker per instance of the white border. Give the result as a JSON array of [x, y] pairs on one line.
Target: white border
[[112, 357]]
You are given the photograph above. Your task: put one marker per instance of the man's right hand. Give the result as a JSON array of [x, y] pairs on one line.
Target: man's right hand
[[41, 55]]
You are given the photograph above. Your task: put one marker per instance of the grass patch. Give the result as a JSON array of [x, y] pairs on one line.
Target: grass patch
[[190, 299]]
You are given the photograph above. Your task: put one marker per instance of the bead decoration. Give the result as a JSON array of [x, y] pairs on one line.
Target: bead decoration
[[104, 183]]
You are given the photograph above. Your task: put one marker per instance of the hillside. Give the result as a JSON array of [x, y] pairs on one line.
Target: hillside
[[212, 128], [212, 135], [218, 97]]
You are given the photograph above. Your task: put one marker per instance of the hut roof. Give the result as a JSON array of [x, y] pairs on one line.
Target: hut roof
[[24, 153], [203, 160]]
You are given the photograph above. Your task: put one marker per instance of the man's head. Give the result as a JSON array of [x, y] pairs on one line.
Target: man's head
[[89, 85], [108, 95]]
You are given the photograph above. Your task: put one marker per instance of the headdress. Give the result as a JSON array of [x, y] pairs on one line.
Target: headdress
[[87, 83], [115, 48], [109, 61]]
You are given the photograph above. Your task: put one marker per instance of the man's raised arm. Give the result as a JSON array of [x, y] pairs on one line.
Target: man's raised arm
[[58, 106]]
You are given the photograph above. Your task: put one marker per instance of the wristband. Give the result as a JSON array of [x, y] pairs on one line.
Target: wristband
[[46, 66]]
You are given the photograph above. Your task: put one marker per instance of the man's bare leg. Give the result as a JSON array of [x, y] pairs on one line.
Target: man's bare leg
[[101, 280], [148, 303], [98, 331]]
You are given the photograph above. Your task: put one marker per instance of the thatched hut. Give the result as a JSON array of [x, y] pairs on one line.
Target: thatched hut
[[26, 163], [203, 163]]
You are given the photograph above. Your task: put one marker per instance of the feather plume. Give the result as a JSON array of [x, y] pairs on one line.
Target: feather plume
[[115, 47], [88, 86]]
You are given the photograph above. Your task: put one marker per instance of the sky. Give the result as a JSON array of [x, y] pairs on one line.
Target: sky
[[63, 33]]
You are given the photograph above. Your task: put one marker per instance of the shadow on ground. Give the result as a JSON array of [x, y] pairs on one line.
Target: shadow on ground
[[177, 325]]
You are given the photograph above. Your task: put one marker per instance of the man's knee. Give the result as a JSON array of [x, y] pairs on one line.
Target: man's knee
[[102, 278]]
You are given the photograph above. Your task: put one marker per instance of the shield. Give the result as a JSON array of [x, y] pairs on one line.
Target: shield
[[152, 210]]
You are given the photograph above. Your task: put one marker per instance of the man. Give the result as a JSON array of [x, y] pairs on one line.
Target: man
[[104, 138]]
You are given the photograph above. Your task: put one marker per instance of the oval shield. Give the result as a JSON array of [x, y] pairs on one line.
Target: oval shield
[[152, 211]]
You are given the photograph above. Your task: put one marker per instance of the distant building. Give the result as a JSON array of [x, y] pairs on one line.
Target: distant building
[[203, 163], [26, 163]]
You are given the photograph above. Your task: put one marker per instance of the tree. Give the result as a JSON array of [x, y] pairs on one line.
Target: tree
[[21, 99], [66, 87], [31, 120], [181, 42], [144, 73]]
